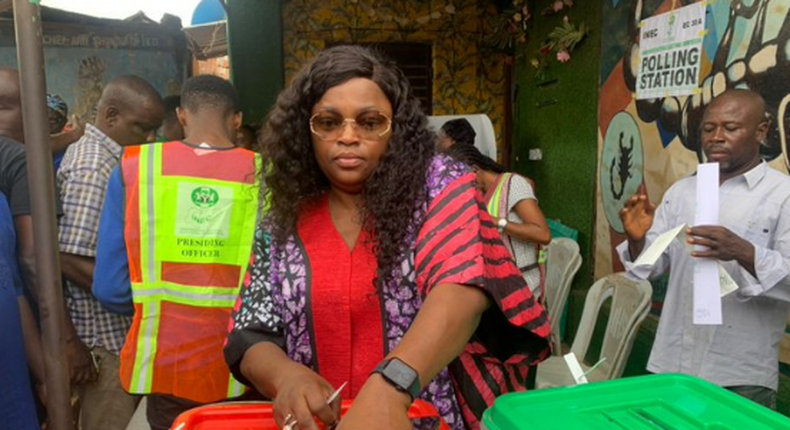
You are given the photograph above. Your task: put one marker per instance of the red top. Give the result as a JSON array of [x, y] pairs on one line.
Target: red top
[[345, 307]]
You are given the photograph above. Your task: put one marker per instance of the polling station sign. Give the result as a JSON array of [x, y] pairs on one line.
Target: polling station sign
[[670, 52]]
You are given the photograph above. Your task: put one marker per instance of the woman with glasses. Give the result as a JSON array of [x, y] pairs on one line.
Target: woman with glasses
[[377, 270]]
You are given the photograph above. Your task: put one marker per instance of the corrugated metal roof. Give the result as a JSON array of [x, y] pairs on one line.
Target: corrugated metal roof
[[52, 16], [208, 40]]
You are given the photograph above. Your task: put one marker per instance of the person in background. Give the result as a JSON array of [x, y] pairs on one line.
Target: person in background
[[455, 131], [129, 112], [61, 136], [171, 128], [11, 105], [14, 184], [16, 398], [510, 199], [11, 124], [196, 237], [377, 265], [246, 137], [57, 113], [752, 243]]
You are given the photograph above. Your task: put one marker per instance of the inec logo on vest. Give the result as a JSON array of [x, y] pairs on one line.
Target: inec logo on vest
[[205, 197], [203, 210]]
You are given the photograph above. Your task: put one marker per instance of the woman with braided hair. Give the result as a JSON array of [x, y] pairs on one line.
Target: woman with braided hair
[[455, 132], [511, 201], [376, 265]]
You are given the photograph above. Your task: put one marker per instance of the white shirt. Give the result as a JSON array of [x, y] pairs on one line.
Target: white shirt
[[744, 349]]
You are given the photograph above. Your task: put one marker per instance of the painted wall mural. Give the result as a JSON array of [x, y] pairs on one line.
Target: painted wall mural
[[80, 60], [466, 78], [656, 141]]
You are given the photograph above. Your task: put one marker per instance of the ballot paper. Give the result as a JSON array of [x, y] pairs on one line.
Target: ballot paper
[[707, 285], [649, 256], [575, 368], [728, 285]]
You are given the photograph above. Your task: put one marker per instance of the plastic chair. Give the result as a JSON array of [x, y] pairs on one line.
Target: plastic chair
[[630, 306], [563, 260]]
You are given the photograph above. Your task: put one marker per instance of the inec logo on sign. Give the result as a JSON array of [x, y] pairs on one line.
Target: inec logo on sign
[[205, 197], [671, 27]]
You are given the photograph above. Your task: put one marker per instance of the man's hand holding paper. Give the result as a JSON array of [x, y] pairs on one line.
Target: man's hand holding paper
[[721, 244]]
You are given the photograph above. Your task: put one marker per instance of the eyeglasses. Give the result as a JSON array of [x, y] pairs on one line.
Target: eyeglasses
[[368, 125]]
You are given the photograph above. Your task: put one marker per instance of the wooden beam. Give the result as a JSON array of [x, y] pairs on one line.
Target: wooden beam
[[6, 5]]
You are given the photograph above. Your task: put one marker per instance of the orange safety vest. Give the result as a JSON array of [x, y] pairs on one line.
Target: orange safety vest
[[189, 225]]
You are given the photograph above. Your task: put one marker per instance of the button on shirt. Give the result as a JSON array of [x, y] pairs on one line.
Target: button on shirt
[[744, 349], [83, 178]]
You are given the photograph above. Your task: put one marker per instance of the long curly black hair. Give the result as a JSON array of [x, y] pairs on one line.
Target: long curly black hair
[[392, 194]]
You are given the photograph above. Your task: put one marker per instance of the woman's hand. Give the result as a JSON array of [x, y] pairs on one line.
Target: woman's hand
[[297, 390], [302, 396], [533, 227], [378, 406]]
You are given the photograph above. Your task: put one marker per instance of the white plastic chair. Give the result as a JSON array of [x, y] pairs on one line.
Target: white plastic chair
[[563, 260], [630, 306]]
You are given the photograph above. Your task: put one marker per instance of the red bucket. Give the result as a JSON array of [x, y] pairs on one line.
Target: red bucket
[[260, 416]]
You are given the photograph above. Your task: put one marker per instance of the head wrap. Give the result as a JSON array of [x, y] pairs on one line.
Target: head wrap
[[56, 103]]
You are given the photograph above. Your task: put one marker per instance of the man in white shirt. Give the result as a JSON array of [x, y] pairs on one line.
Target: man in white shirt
[[752, 243]]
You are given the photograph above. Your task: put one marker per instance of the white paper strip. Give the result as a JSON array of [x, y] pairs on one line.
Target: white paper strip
[[575, 368], [707, 289]]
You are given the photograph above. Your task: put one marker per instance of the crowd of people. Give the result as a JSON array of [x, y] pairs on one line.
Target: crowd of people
[[343, 246]]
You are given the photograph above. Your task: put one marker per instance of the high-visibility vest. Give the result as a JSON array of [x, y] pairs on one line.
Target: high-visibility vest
[[497, 207], [190, 218]]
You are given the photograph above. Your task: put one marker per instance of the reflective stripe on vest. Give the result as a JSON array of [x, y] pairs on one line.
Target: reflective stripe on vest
[[495, 203], [196, 224]]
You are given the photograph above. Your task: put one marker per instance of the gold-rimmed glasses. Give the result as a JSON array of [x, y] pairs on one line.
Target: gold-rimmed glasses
[[370, 125]]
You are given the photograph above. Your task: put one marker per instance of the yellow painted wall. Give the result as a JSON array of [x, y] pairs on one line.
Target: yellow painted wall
[[467, 78]]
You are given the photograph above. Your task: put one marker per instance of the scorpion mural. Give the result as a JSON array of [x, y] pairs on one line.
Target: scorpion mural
[[623, 168]]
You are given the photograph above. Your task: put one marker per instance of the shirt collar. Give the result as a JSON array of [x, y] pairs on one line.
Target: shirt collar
[[106, 141], [754, 176]]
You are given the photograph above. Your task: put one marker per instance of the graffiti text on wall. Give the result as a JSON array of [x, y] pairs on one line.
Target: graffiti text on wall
[[95, 37], [91, 40]]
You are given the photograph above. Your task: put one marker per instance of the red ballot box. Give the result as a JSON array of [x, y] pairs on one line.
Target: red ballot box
[[260, 416]]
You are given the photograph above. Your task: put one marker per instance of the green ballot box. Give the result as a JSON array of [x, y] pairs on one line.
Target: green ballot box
[[652, 402]]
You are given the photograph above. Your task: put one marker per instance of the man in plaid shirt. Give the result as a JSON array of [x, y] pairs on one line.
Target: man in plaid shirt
[[129, 112]]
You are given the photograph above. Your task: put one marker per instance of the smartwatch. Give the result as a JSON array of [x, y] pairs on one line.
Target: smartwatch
[[501, 223], [400, 375]]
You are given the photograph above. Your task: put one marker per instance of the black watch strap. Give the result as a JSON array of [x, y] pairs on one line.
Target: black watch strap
[[400, 375]]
